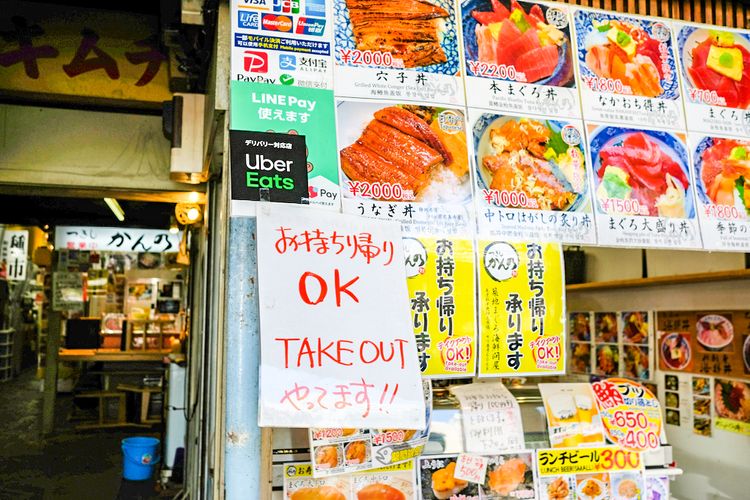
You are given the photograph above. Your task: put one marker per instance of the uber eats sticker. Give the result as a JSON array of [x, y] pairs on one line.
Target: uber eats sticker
[[268, 166]]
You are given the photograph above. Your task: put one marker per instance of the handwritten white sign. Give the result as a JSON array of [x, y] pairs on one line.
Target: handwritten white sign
[[337, 345], [471, 468]]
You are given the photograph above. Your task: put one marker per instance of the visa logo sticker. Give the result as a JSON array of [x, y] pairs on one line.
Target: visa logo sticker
[[247, 20], [310, 26], [273, 22]]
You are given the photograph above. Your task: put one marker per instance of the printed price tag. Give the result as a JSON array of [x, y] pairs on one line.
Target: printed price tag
[[557, 461], [630, 413], [471, 468]]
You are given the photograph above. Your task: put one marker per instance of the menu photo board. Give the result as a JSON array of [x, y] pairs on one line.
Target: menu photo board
[[519, 57], [627, 69], [715, 66], [531, 178], [722, 187], [396, 49], [643, 188]]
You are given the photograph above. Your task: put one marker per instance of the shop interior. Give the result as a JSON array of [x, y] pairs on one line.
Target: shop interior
[[96, 311]]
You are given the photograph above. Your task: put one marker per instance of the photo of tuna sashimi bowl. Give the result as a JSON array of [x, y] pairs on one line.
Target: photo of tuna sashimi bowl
[[530, 163], [625, 56], [641, 172], [716, 66], [722, 170], [517, 41]]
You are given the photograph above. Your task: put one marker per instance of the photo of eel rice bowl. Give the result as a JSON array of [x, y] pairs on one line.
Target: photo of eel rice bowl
[[519, 37], [718, 62], [723, 169], [641, 172], [529, 163], [403, 152]]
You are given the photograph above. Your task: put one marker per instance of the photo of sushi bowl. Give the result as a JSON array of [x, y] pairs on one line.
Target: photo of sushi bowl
[[722, 170], [517, 41], [675, 351], [714, 332]]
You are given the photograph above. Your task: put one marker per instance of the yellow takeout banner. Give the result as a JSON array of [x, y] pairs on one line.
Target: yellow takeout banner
[[522, 309], [569, 461]]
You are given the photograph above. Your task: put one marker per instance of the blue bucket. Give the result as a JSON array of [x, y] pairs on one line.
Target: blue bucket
[[139, 456]]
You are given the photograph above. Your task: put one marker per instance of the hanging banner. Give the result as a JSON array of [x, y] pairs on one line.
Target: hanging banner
[[337, 348], [531, 179], [490, 417], [566, 461], [439, 272], [14, 255], [337, 451], [408, 163], [522, 309], [519, 57], [722, 186], [116, 239], [282, 42], [405, 50], [631, 414], [293, 111], [643, 189], [572, 416], [715, 63], [627, 70]]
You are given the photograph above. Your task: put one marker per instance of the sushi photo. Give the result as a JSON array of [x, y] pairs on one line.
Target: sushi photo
[[517, 41], [641, 172], [509, 476], [437, 480], [722, 170], [635, 55], [716, 63], [636, 362], [580, 326], [635, 327], [580, 358], [607, 360], [674, 351], [605, 327], [530, 163]]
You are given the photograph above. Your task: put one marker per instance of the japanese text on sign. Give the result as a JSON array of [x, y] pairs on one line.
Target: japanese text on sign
[[556, 461]]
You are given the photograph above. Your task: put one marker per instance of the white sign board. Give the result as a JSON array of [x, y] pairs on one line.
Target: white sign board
[[337, 345], [15, 251], [116, 239]]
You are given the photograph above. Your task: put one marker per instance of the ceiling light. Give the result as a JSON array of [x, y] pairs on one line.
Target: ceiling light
[[188, 213], [193, 214], [194, 197], [116, 208]]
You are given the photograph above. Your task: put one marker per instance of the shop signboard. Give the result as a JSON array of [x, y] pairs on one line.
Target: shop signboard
[[337, 347], [627, 70], [404, 50], [282, 42], [521, 309], [519, 57], [531, 178], [263, 107], [715, 78], [14, 254], [116, 239]]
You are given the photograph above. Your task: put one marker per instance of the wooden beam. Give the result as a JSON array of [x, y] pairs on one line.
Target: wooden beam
[[661, 281], [195, 194], [50, 372]]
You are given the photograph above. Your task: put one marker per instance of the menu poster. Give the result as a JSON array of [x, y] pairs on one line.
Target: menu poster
[[437, 481], [732, 405], [491, 418], [298, 482], [643, 189], [715, 64], [285, 42], [519, 57], [395, 481], [722, 186], [510, 475], [705, 342], [701, 406], [531, 178], [293, 111], [627, 70], [405, 50], [437, 271], [68, 291], [572, 415], [522, 309], [407, 163]]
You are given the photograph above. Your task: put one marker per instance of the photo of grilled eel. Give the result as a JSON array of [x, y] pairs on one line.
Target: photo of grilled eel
[[408, 29], [397, 147]]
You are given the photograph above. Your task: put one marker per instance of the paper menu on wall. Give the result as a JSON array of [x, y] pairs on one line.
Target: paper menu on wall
[[572, 416], [491, 418]]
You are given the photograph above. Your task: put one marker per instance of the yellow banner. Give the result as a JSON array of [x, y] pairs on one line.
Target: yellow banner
[[522, 309], [726, 424], [559, 461], [440, 276]]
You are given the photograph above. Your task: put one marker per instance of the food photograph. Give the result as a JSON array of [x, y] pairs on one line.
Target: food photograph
[[671, 399], [635, 327], [671, 382], [525, 42], [722, 172], [592, 487], [702, 406], [627, 486], [391, 485], [412, 34], [673, 417], [718, 62], [437, 480], [702, 426], [715, 332], [634, 54], [509, 476], [328, 457], [732, 399], [580, 326], [607, 360], [636, 363], [403, 152], [641, 172], [557, 488], [580, 358], [701, 386], [746, 353], [531, 163], [605, 327], [674, 351]]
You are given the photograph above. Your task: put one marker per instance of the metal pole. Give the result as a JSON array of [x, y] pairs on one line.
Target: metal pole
[[242, 467]]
